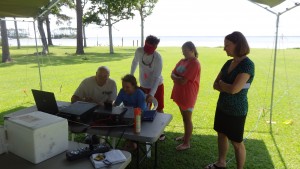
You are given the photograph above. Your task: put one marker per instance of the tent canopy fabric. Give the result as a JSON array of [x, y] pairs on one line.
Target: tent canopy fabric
[[31, 8], [21, 8], [270, 3]]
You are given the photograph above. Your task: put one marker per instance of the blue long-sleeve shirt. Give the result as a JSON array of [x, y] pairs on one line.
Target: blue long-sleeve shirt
[[136, 100]]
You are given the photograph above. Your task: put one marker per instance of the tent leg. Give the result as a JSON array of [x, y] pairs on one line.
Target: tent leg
[[274, 70], [38, 58], [275, 53]]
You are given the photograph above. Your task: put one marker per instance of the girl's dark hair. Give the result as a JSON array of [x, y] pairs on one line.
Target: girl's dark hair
[[190, 45], [242, 47], [153, 40], [130, 79]]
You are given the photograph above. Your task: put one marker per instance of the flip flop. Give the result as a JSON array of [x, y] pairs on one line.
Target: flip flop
[[179, 138], [182, 147], [162, 137], [214, 166]]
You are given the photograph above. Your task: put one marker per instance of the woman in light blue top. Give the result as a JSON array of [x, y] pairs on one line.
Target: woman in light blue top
[[130, 95]]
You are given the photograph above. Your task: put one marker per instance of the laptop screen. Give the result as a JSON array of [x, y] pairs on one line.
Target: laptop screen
[[45, 101]]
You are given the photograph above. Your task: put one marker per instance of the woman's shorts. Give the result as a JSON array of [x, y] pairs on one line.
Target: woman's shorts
[[187, 110], [231, 126]]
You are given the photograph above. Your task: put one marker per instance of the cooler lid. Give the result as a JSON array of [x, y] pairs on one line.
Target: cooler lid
[[35, 120]]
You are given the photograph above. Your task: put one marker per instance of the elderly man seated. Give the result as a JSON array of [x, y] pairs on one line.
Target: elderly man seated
[[97, 89]]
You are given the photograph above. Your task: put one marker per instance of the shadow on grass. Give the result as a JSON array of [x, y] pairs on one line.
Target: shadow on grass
[[277, 148], [2, 114], [202, 153], [131, 50], [67, 59]]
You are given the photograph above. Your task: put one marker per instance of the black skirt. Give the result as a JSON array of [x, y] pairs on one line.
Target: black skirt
[[231, 126]]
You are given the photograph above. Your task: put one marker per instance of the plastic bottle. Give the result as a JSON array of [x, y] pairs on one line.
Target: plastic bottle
[[137, 120]]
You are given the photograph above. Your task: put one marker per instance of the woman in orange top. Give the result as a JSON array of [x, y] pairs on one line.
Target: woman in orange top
[[186, 78]]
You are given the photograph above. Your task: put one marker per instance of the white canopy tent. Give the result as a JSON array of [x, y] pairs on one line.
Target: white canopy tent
[[32, 8], [27, 9], [271, 4]]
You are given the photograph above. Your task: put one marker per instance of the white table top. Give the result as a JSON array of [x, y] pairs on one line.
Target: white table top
[[150, 131], [11, 161]]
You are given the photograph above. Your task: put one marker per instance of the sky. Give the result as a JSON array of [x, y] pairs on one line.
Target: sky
[[201, 18]]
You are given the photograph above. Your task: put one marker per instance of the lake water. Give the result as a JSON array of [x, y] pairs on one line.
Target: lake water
[[204, 41]]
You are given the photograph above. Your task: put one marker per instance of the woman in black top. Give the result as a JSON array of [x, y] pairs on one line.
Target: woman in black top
[[233, 83]]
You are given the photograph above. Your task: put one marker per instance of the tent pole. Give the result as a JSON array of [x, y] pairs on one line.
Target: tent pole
[[275, 52], [275, 58], [37, 55], [274, 68]]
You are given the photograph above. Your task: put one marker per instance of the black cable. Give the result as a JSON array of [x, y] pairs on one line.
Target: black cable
[[120, 137]]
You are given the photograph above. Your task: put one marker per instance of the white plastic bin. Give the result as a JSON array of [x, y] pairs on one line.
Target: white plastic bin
[[37, 136]]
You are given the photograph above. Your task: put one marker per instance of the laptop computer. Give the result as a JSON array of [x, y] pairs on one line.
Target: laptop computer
[[46, 102], [148, 115]]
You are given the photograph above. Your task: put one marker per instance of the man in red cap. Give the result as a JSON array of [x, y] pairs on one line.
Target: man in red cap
[[150, 69]]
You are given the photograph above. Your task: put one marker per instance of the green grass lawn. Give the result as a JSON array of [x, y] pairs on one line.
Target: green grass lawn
[[62, 71]]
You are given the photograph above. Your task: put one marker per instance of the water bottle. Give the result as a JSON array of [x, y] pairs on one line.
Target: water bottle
[[137, 120]]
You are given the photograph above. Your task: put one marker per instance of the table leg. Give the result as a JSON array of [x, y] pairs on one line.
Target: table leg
[[138, 155], [155, 155], [113, 142]]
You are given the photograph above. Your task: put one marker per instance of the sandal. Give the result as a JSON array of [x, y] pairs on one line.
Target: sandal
[[162, 137], [181, 138], [130, 146], [214, 166], [182, 147]]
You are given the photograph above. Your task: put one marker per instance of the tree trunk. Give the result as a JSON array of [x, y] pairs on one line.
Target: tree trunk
[[79, 13], [4, 41], [43, 36], [17, 34], [48, 31], [111, 47], [84, 37], [142, 26]]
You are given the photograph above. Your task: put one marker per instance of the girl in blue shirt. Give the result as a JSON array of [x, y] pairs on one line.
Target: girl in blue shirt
[[130, 95]]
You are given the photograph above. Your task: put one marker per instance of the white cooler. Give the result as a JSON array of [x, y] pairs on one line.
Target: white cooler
[[2, 140], [37, 136]]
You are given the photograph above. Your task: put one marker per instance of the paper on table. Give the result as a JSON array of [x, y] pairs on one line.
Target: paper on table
[[111, 157]]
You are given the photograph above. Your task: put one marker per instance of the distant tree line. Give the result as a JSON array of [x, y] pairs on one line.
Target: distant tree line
[[64, 32], [22, 33]]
